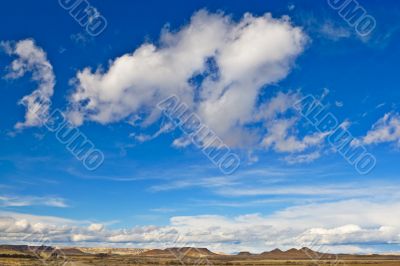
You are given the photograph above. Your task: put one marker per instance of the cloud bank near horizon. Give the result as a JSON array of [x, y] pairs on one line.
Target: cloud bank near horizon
[[349, 225]]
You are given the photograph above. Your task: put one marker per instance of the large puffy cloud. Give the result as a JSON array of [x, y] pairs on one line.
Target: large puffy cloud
[[214, 64], [31, 58], [348, 225]]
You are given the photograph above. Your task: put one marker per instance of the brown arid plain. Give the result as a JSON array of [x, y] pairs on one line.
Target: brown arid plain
[[12, 255]]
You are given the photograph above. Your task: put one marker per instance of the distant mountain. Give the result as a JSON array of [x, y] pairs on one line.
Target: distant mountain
[[24, 251], [119, 251], [244, 253], [303, 253], [70, 251], [180, 252], [157, 252], [190, 251], [32, 250], [24, 248], [276, 251]]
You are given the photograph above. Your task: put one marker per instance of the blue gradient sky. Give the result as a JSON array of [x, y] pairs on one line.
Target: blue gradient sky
[[154, 183]]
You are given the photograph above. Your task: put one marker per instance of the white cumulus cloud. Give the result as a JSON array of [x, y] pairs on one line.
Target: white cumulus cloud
[[386, 129], [31, 58], [216, 65]]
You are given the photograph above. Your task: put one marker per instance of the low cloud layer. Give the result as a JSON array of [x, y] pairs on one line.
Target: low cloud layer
[[336, 226]]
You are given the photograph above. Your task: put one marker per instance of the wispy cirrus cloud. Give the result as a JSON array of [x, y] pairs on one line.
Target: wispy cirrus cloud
[[209, 182], [303, 158], [23, 201], [335, 191]]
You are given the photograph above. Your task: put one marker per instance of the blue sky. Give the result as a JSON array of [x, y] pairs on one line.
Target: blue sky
[[241, 74]]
